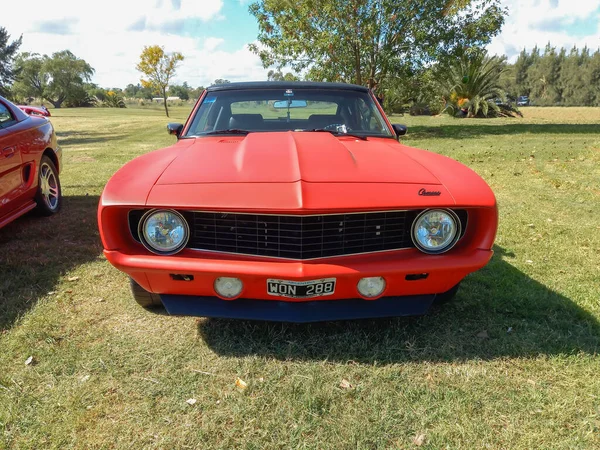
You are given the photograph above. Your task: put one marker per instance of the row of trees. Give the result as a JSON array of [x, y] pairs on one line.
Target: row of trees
[[424, 53], [556, 77], [64, 79]]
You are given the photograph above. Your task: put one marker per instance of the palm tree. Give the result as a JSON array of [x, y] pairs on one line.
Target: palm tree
[[473, 84]]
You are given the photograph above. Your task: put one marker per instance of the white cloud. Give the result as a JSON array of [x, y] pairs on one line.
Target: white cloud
[[212, 43], [112, 36], [537, 22]]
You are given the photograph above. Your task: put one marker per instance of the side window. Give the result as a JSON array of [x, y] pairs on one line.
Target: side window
[[369, 120], [5, 116], [205, 117]]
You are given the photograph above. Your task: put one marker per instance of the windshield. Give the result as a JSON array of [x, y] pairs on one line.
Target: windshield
[[341, 111]]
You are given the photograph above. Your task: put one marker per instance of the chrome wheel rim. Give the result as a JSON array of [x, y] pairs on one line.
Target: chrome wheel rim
[[49, 186]]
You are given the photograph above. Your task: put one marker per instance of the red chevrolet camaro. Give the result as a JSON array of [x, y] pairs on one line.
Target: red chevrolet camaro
[[294, 202], [30, 160]]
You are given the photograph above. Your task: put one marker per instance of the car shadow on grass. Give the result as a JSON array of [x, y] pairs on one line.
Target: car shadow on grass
[[36, 251], [460, 131], [498, 312], [66, 138]]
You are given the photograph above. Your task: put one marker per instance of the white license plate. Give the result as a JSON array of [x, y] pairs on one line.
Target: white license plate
[[301, 289]]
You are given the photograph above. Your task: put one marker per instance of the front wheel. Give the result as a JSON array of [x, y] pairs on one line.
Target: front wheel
[[48, 196], [145, 299]]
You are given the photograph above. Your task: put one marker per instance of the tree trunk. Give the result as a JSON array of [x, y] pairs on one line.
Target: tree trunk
[[357, 64], [55, 103], [165, 102]]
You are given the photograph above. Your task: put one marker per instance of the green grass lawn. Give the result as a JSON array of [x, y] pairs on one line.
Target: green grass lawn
[[512, 363]]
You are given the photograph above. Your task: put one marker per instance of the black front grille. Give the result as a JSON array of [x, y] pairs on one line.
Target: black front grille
[[300, 237]]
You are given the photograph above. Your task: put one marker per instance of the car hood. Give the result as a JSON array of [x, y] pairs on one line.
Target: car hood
[[287, 157]]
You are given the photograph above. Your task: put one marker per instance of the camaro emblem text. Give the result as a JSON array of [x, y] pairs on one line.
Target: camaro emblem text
[[425, 192]]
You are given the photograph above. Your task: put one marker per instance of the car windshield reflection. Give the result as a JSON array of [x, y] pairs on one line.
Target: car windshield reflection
[[341, 111]]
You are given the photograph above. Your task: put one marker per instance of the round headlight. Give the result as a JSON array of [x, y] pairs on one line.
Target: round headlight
[[371, 287], [164, 231], [436, 230]]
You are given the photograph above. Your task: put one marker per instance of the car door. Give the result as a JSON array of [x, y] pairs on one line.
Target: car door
[[10, 160]]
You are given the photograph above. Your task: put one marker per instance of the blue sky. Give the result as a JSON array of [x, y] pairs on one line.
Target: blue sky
[[213, 34]]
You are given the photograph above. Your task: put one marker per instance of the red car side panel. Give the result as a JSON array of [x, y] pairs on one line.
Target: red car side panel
[[131, 184], [29, 137], [466, 186]]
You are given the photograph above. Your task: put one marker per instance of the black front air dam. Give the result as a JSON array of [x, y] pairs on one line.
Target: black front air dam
[[298, 312]]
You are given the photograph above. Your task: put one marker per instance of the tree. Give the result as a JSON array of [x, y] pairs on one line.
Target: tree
[[593, 77], [131, 90], [473, 85], [196, 93], [7, 55], [366, 41], [279, 76], [544, 75], [182, 91], [32, 80], [522, 65], [159, 67], [57, 79]]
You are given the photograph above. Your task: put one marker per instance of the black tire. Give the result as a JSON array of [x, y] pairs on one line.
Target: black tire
[[49, 194], [447, 296], [145, 299]]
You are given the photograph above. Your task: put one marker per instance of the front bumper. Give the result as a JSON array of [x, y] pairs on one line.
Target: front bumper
[[402, 270], [297, 312]]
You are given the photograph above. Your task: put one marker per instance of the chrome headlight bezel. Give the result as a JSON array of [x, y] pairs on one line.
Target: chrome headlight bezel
[[146, 241], [457, 227]]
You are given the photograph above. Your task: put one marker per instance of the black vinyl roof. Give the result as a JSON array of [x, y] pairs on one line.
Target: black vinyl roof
[[285, 85]]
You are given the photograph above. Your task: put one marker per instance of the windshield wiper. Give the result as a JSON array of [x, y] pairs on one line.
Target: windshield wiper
[[228, 131], [338, 133]]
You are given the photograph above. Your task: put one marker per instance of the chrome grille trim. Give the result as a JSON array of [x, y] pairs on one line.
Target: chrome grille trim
[[300, 237]]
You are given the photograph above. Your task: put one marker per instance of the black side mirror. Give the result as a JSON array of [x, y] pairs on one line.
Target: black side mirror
[[175, 128], [400, 130]]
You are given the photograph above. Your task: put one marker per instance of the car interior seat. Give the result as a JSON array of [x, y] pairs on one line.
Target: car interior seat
[[247, 121]]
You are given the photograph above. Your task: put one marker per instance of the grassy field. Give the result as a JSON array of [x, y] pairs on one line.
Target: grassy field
[[512, 363]]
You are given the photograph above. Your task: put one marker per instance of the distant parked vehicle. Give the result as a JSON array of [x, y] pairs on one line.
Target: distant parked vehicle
[[523, 100], [35, 110], [30, 161]]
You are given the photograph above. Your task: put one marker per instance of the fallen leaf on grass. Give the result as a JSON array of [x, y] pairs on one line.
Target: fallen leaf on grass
[[419, 440], [72, 278], [191, 401], [240, 384], [29, 361], [345, 384], [482, 334], [531, 382]]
